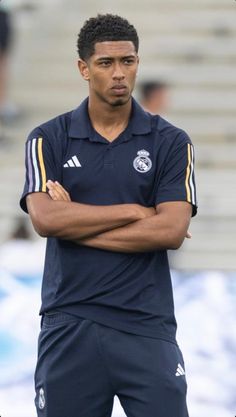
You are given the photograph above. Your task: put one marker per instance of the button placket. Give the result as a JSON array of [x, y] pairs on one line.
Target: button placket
[[109, 157]]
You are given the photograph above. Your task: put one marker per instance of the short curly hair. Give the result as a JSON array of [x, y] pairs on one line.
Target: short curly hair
[[102, 28]]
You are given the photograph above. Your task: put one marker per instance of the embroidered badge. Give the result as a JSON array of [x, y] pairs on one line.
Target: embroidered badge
[[142, 162], [42, 401]]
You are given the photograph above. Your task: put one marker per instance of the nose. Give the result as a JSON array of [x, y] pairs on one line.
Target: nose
[[118, 72]]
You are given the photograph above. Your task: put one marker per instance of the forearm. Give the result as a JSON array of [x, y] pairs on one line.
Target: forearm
[[69, 220], [153, 233]]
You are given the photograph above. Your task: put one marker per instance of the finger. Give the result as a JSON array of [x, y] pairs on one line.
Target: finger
[[60, 190], [63, 190], [188, 235], [55, 195], [52, 195], [61, 194], [50, 188], [49, 184], [54, 191], [57, 192]]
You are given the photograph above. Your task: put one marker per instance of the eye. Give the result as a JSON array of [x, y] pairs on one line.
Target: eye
[[104, 63], [129, 61]]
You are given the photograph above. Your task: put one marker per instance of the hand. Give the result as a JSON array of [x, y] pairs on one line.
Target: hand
[[57, 192]]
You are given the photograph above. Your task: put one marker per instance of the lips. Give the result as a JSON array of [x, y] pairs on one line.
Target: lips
[[118, 86], [119, 89]]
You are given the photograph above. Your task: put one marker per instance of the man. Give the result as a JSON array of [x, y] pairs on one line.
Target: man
[[112, 188], [154, 96]]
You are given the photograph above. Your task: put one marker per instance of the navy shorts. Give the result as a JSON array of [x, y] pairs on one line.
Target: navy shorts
[[82, 365]]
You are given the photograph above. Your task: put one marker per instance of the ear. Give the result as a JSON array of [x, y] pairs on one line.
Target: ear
[[84, 69]]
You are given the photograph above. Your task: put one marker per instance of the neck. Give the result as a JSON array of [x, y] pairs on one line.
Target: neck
[[107, 120]]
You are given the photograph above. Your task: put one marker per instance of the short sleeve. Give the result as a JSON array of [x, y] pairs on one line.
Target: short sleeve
[[39, 165], [177, 182]]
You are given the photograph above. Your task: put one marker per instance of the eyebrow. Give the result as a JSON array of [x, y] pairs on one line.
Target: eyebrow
[[112, 58]]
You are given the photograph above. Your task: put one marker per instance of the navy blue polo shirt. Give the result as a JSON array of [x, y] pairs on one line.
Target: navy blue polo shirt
[[149, 163]]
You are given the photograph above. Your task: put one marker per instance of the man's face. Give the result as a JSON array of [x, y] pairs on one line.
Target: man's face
[[111, 71]]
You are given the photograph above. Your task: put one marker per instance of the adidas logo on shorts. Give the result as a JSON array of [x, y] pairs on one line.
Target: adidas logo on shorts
[[180, 370]]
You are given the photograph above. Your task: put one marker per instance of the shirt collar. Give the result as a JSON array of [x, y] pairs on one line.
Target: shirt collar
[[80, 127]]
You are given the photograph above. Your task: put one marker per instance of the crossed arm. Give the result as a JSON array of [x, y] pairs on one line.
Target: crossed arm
[[122, 228]]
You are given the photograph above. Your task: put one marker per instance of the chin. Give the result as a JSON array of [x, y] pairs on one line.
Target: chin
[[120, 101]]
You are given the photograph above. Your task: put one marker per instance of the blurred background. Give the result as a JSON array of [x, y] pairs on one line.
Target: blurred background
[[188, 75]]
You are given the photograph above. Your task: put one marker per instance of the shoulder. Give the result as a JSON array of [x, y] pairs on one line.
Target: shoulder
[[168, 132]]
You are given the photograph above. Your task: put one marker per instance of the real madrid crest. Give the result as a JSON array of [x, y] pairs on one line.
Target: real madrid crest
[[142, 162], [41, 402]]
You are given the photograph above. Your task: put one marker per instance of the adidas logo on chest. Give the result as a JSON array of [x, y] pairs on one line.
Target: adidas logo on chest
[[73, 162]]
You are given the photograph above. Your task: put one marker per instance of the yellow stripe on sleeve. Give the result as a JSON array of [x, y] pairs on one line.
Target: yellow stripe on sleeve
[[188, 175], [41, 164]]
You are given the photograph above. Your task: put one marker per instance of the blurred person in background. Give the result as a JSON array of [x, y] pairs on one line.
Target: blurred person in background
[[112, 188], [5, 42], [155, 96], [8, 110]]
